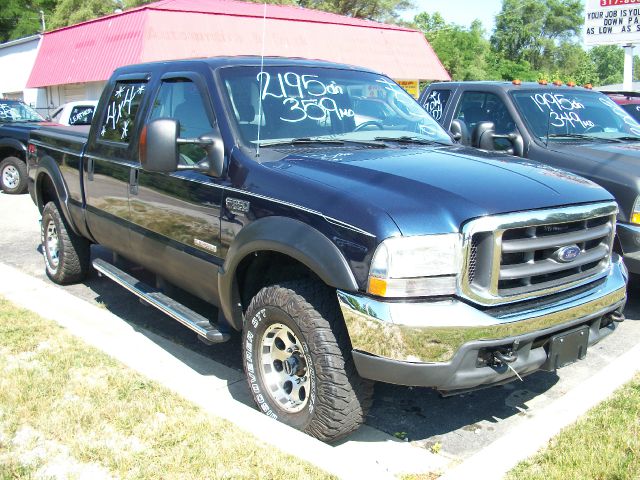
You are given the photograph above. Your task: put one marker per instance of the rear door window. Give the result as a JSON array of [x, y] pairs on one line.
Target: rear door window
[[120, 114], [435, 103], [81, 115]]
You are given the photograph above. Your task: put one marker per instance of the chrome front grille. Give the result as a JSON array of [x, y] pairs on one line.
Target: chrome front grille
[[524, 255]]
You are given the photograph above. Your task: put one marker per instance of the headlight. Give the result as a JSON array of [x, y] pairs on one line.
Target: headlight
[[635, 212], [415, 266]]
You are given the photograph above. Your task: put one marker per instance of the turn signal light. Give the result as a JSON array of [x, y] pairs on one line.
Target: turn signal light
[[377, 286], [635, 218]]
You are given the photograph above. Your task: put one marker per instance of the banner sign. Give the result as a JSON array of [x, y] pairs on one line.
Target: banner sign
[[612, 22], [412, 87]]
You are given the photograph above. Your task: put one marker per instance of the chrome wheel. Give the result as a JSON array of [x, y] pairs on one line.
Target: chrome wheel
[[284, 368], [10, 177], [51, 245]]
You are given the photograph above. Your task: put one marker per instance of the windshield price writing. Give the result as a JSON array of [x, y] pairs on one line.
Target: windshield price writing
[[305, 95], [562, 111]]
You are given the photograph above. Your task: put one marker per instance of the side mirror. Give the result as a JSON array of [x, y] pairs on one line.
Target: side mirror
[[158, 146], [517, 143], [460, 132], [159, 152], [483, 136]]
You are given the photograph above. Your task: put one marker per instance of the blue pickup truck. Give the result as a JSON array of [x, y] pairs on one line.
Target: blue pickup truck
[[16, 121], [335, 225]]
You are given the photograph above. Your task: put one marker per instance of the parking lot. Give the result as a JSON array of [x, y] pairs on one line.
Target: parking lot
[[459, 425]]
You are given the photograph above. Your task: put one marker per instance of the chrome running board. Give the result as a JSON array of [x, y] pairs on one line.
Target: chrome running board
[[167, 305]]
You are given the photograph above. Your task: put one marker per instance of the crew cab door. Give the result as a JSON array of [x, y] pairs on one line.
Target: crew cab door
[[110, 158], [176, 216]]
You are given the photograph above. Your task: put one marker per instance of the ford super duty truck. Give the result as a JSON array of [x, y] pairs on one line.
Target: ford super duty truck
[[336, 225], [564, 126]]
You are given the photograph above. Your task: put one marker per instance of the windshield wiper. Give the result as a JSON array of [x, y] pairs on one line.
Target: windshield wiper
[[408, 139], [580, 136], [318, 140], [300, 141]]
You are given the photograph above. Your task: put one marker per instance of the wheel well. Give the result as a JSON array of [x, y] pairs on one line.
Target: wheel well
[[11, 152], [47, 191], [264, 268]]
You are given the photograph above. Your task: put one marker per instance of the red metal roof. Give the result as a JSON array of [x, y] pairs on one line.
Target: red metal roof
[[172, 29]]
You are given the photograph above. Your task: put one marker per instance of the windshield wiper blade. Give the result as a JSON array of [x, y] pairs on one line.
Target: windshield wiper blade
[[301, 141], [580, 136], [408, 139]]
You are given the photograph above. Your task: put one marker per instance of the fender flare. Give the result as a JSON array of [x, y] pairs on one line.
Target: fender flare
[[49, 168], [15, 144], [274, 234]]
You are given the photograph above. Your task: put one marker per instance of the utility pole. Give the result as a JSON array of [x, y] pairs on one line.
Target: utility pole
[[42, 20]]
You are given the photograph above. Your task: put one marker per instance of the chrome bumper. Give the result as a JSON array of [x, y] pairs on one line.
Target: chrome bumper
[[435, 331]]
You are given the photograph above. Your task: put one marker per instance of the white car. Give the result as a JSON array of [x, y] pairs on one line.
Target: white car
[[75, 113]]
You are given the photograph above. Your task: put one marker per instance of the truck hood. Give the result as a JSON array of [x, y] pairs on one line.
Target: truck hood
[[437, 189], [604, 157]]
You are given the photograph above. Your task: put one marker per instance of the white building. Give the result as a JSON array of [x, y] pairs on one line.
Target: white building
[[17, 58]]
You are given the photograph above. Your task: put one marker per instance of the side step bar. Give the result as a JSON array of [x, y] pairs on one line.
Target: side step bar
[[175, 310]]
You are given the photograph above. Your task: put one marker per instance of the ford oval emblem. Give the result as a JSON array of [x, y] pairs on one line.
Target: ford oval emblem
[[567, 254]]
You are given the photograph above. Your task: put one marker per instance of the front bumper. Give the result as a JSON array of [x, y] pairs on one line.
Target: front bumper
[[629, 236], [438, 343]]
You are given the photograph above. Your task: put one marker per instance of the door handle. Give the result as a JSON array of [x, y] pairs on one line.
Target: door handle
[[133, 181]]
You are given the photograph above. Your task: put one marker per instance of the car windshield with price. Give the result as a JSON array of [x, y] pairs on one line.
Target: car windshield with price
[[568, 116], [281, 105]]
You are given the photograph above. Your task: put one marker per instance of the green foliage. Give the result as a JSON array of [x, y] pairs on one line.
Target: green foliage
[[378, 10], [530, 30], [20, 18], [466, 54], [69, 12]]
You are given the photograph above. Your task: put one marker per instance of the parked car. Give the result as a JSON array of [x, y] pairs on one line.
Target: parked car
[[344, 252], [16, 121], [75, 113], [628, 101], [572, 128]]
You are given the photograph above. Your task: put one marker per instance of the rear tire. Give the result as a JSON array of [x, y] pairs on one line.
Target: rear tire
[[297, 358], [13, 176], [66, 255]]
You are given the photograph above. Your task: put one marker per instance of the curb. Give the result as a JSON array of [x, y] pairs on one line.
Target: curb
[[368, 453], [495, 460]]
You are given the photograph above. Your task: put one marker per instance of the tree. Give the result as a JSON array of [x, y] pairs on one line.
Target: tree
[[464, 53], [609, 63], [69, 12], [377, 10], [531, 30], [20, 18]]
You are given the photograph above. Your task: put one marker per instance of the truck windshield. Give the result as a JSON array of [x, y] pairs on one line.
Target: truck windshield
[[293, 104], [570, 115], [18, 112]]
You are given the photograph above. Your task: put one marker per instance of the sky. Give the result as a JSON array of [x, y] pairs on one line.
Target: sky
[[462, 12]]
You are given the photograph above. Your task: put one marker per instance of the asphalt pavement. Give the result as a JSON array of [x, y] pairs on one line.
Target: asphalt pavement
[[457, 427]]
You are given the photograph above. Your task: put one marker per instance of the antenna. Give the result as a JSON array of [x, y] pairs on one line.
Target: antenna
[[264, 30]]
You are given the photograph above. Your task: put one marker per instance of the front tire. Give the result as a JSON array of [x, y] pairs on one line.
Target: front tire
[[13, 176], [66, 255], [297, 358]]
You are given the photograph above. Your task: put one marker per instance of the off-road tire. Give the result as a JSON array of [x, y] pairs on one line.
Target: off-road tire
[[338, 399], [16, 168], [70, 264]]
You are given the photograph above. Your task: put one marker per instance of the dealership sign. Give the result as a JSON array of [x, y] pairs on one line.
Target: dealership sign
[[612, 22]]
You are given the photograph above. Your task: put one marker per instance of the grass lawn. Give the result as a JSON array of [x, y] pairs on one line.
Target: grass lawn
[[69, 411], [604, 444]]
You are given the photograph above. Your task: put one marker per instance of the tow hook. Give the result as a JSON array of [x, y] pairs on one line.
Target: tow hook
[[617, 317], [504, 358]]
